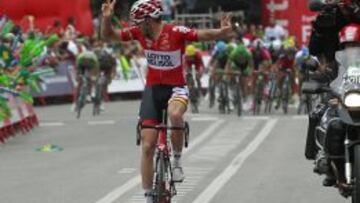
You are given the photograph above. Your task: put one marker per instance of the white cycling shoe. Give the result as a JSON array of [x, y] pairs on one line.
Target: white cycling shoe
[[178, 175]]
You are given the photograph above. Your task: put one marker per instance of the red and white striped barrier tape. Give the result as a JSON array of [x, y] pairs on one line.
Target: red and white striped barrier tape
[[23, 118]]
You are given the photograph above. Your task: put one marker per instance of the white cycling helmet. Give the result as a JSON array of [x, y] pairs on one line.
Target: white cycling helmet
[[145, 8]]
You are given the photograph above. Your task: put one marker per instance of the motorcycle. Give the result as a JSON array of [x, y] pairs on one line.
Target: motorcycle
[[337, 135]]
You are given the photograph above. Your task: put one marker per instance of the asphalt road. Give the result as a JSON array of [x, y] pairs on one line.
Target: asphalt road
[[230, 159]]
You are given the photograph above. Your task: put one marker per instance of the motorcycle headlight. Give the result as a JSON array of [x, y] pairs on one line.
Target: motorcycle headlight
[[352, 100]]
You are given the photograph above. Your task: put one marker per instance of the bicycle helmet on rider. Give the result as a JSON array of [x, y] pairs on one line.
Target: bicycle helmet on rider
[[220, 47], [87, 59], [190, 50], [145, 8], [241, 50], [230, 47], [258, 43], [240, 59]]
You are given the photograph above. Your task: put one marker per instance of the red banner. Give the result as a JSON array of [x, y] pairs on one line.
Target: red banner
[[294, 15], [47, 11]]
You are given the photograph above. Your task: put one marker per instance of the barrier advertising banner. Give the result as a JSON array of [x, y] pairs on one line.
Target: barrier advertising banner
[[60, 84], [47, 11], [293, 15]]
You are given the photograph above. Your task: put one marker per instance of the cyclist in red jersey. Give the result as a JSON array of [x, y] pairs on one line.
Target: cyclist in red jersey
[[164, 46], [193, 57], [285, 65]]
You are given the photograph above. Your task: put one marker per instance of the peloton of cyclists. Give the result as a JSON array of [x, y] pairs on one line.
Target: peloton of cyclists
[[252, 55]]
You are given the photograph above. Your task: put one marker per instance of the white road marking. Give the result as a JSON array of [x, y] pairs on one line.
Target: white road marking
[[204, 118], [51, 124], [120, 191], [225, 141], [127, 170], [255, 117], [110, 122], [300, 117], [209, 193]]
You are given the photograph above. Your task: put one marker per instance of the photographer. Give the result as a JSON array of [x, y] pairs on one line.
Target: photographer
[[324, 43]]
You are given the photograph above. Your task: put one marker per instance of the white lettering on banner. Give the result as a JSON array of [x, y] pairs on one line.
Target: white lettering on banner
[[163, 60], [307, 19], [273, 7], [306, 32]]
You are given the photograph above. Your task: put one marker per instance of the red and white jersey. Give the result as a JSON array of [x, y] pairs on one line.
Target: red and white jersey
[[164, 55]]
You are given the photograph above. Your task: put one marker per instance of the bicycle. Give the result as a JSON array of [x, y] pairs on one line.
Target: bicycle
[[259, 90], [270, 92], [96, 93], [163, 185], [194, 90], [224, 103]]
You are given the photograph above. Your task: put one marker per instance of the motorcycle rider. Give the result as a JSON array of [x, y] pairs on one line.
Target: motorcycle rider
[[324, 43]]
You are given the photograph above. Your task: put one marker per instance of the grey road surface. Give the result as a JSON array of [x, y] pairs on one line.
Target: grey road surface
[[230, 159]]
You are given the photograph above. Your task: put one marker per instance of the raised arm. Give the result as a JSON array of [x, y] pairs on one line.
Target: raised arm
[[224, 32], [107, 31]]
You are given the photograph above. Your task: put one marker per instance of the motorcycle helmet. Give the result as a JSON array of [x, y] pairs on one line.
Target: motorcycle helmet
[[350, 34]]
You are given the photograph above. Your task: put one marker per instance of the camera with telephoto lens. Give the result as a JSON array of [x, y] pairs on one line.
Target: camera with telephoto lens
[[327, 17]]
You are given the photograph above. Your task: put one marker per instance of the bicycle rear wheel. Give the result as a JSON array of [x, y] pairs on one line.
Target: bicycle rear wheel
[[211, 93], [97, 99], [238, 99], [257, 99]]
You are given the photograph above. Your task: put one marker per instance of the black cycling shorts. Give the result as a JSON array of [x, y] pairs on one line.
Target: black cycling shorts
[[156, 99]]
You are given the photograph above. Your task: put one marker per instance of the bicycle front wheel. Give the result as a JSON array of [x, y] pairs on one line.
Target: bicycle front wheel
[[286, 98], [160, 180]]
